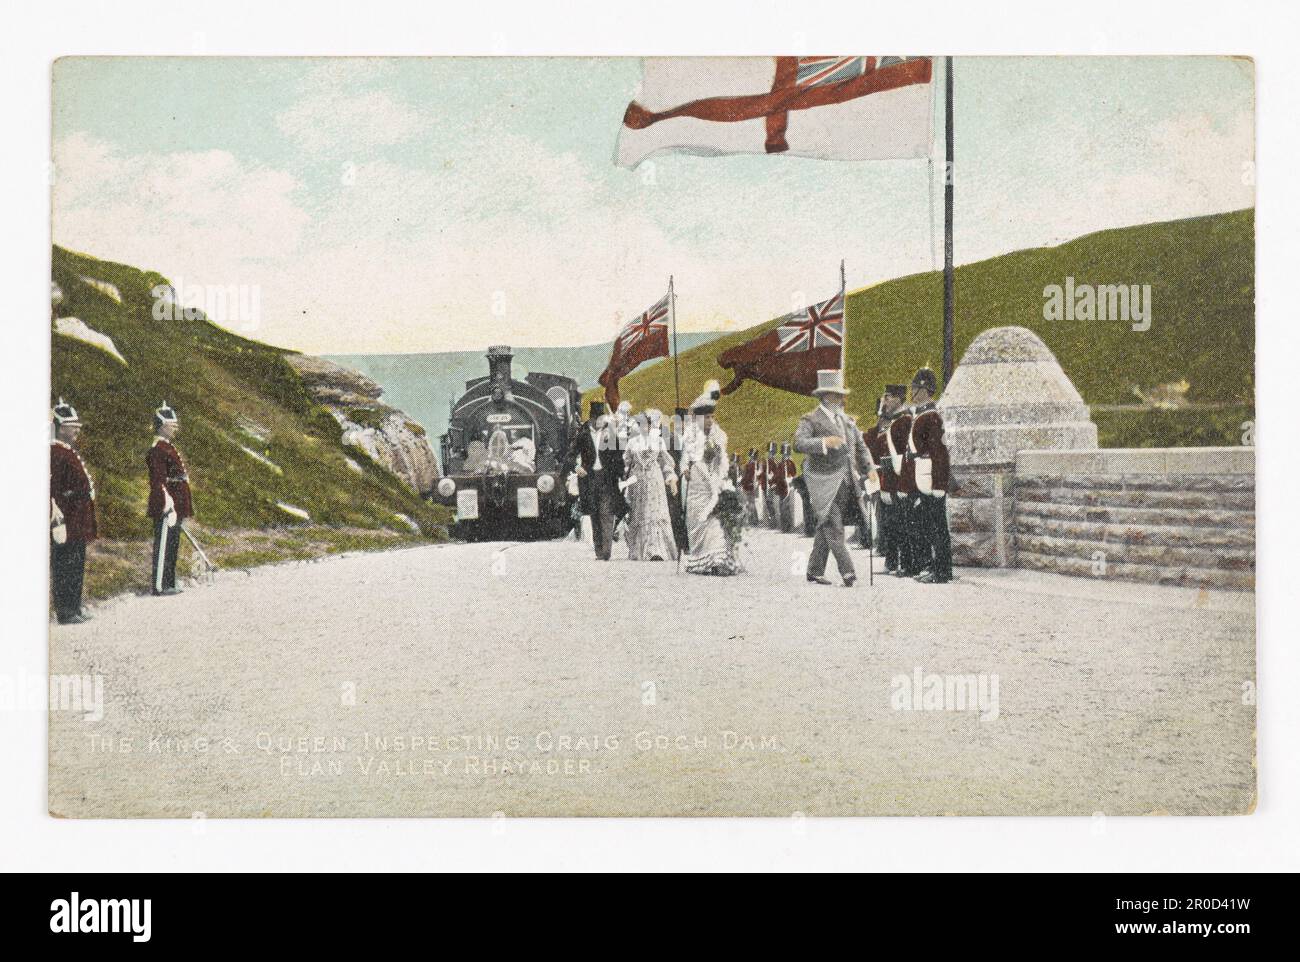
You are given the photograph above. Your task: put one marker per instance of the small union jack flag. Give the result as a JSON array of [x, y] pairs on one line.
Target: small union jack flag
[[816, 71], [821, 325], [648, 324], [820, 71]]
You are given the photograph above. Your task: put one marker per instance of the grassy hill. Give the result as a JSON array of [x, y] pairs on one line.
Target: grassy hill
[[1202, 273], [251, 434]]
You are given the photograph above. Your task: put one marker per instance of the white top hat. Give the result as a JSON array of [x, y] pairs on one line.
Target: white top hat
[[830, 382]]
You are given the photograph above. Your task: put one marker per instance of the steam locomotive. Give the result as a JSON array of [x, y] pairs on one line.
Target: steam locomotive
[[503, 453]]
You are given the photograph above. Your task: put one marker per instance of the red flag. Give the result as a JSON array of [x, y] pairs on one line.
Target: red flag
[[643, 339], [790, 355]]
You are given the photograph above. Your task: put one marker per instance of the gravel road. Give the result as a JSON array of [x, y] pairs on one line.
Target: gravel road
[[530, 679]]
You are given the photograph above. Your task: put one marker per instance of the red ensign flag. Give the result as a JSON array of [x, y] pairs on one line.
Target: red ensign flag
[[644, 339]]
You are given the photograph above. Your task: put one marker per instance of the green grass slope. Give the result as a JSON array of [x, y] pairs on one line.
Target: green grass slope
[[1202, 273], [218, 382]]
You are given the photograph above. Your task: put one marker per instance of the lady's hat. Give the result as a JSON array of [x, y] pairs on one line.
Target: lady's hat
[[707, 402], [830, 382], [65, 413]]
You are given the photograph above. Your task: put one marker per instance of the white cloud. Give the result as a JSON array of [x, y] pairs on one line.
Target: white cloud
[[201, 216], [344, 123]]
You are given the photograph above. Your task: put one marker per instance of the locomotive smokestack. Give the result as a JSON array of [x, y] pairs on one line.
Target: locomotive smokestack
[[499, 356]]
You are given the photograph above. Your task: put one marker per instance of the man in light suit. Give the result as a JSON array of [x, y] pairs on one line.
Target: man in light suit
[[836, 460]]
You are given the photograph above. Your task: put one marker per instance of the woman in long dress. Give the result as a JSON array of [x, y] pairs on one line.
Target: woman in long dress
[[650, 475], [704, 471]]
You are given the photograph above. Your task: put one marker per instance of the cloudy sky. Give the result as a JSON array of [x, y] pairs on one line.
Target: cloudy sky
[[426, 205]]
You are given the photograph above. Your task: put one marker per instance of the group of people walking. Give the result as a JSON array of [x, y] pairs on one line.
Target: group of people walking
[[72, 508], [662, 485], [671, 490]]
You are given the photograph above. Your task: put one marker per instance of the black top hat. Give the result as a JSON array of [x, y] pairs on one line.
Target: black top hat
[[596, 409], [896, 390], [925, 380]]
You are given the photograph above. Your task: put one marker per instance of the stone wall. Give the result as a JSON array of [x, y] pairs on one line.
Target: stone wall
[[1177, 516]]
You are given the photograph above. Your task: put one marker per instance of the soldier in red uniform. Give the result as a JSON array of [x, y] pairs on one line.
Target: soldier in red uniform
[[931, 475], [775, 487], [905, 518], [749, 487], [896, 546], [169, 499], [786, 473], [72, 516]]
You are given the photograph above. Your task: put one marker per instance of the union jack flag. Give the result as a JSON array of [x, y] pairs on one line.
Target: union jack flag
[[815, 71], [647, 325], [821, 325], [818, 71]]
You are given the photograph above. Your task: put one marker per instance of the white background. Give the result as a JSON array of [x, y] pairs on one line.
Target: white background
[[35, 34]]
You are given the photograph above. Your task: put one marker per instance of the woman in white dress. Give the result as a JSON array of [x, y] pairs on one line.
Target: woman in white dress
[[650, 477], [704, 472]]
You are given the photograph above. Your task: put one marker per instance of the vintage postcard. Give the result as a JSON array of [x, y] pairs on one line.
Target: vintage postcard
[[761, 436]]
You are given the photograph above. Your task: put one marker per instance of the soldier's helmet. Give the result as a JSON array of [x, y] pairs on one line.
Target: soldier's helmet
[[64, 413], [925, 380], [785, 449], [771, 447]]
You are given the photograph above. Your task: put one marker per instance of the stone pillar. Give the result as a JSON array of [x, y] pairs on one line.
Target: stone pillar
[[1008, 394]]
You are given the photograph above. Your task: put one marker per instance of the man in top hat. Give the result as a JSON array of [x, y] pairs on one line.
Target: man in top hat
[[596, 459], [786, 472], [896, 543], [170, 501], [72, 516], [931, 473], [835, 460]]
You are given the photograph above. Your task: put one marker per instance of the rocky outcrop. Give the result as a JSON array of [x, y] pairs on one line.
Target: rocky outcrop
[[1008, 395], [386, 434]]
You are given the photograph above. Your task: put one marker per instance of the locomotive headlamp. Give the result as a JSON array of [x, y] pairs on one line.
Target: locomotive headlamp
[[546, 484], [446, 487]]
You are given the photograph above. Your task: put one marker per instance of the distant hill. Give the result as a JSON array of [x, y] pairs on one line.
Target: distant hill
[[1203, 331], [250, 432], [422, 385]]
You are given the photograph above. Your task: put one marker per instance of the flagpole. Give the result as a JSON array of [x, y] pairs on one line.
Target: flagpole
[[947, 224], [672, 313], [844, 326]]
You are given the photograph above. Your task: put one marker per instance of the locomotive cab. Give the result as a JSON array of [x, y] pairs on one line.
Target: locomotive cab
[[504, 450]]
